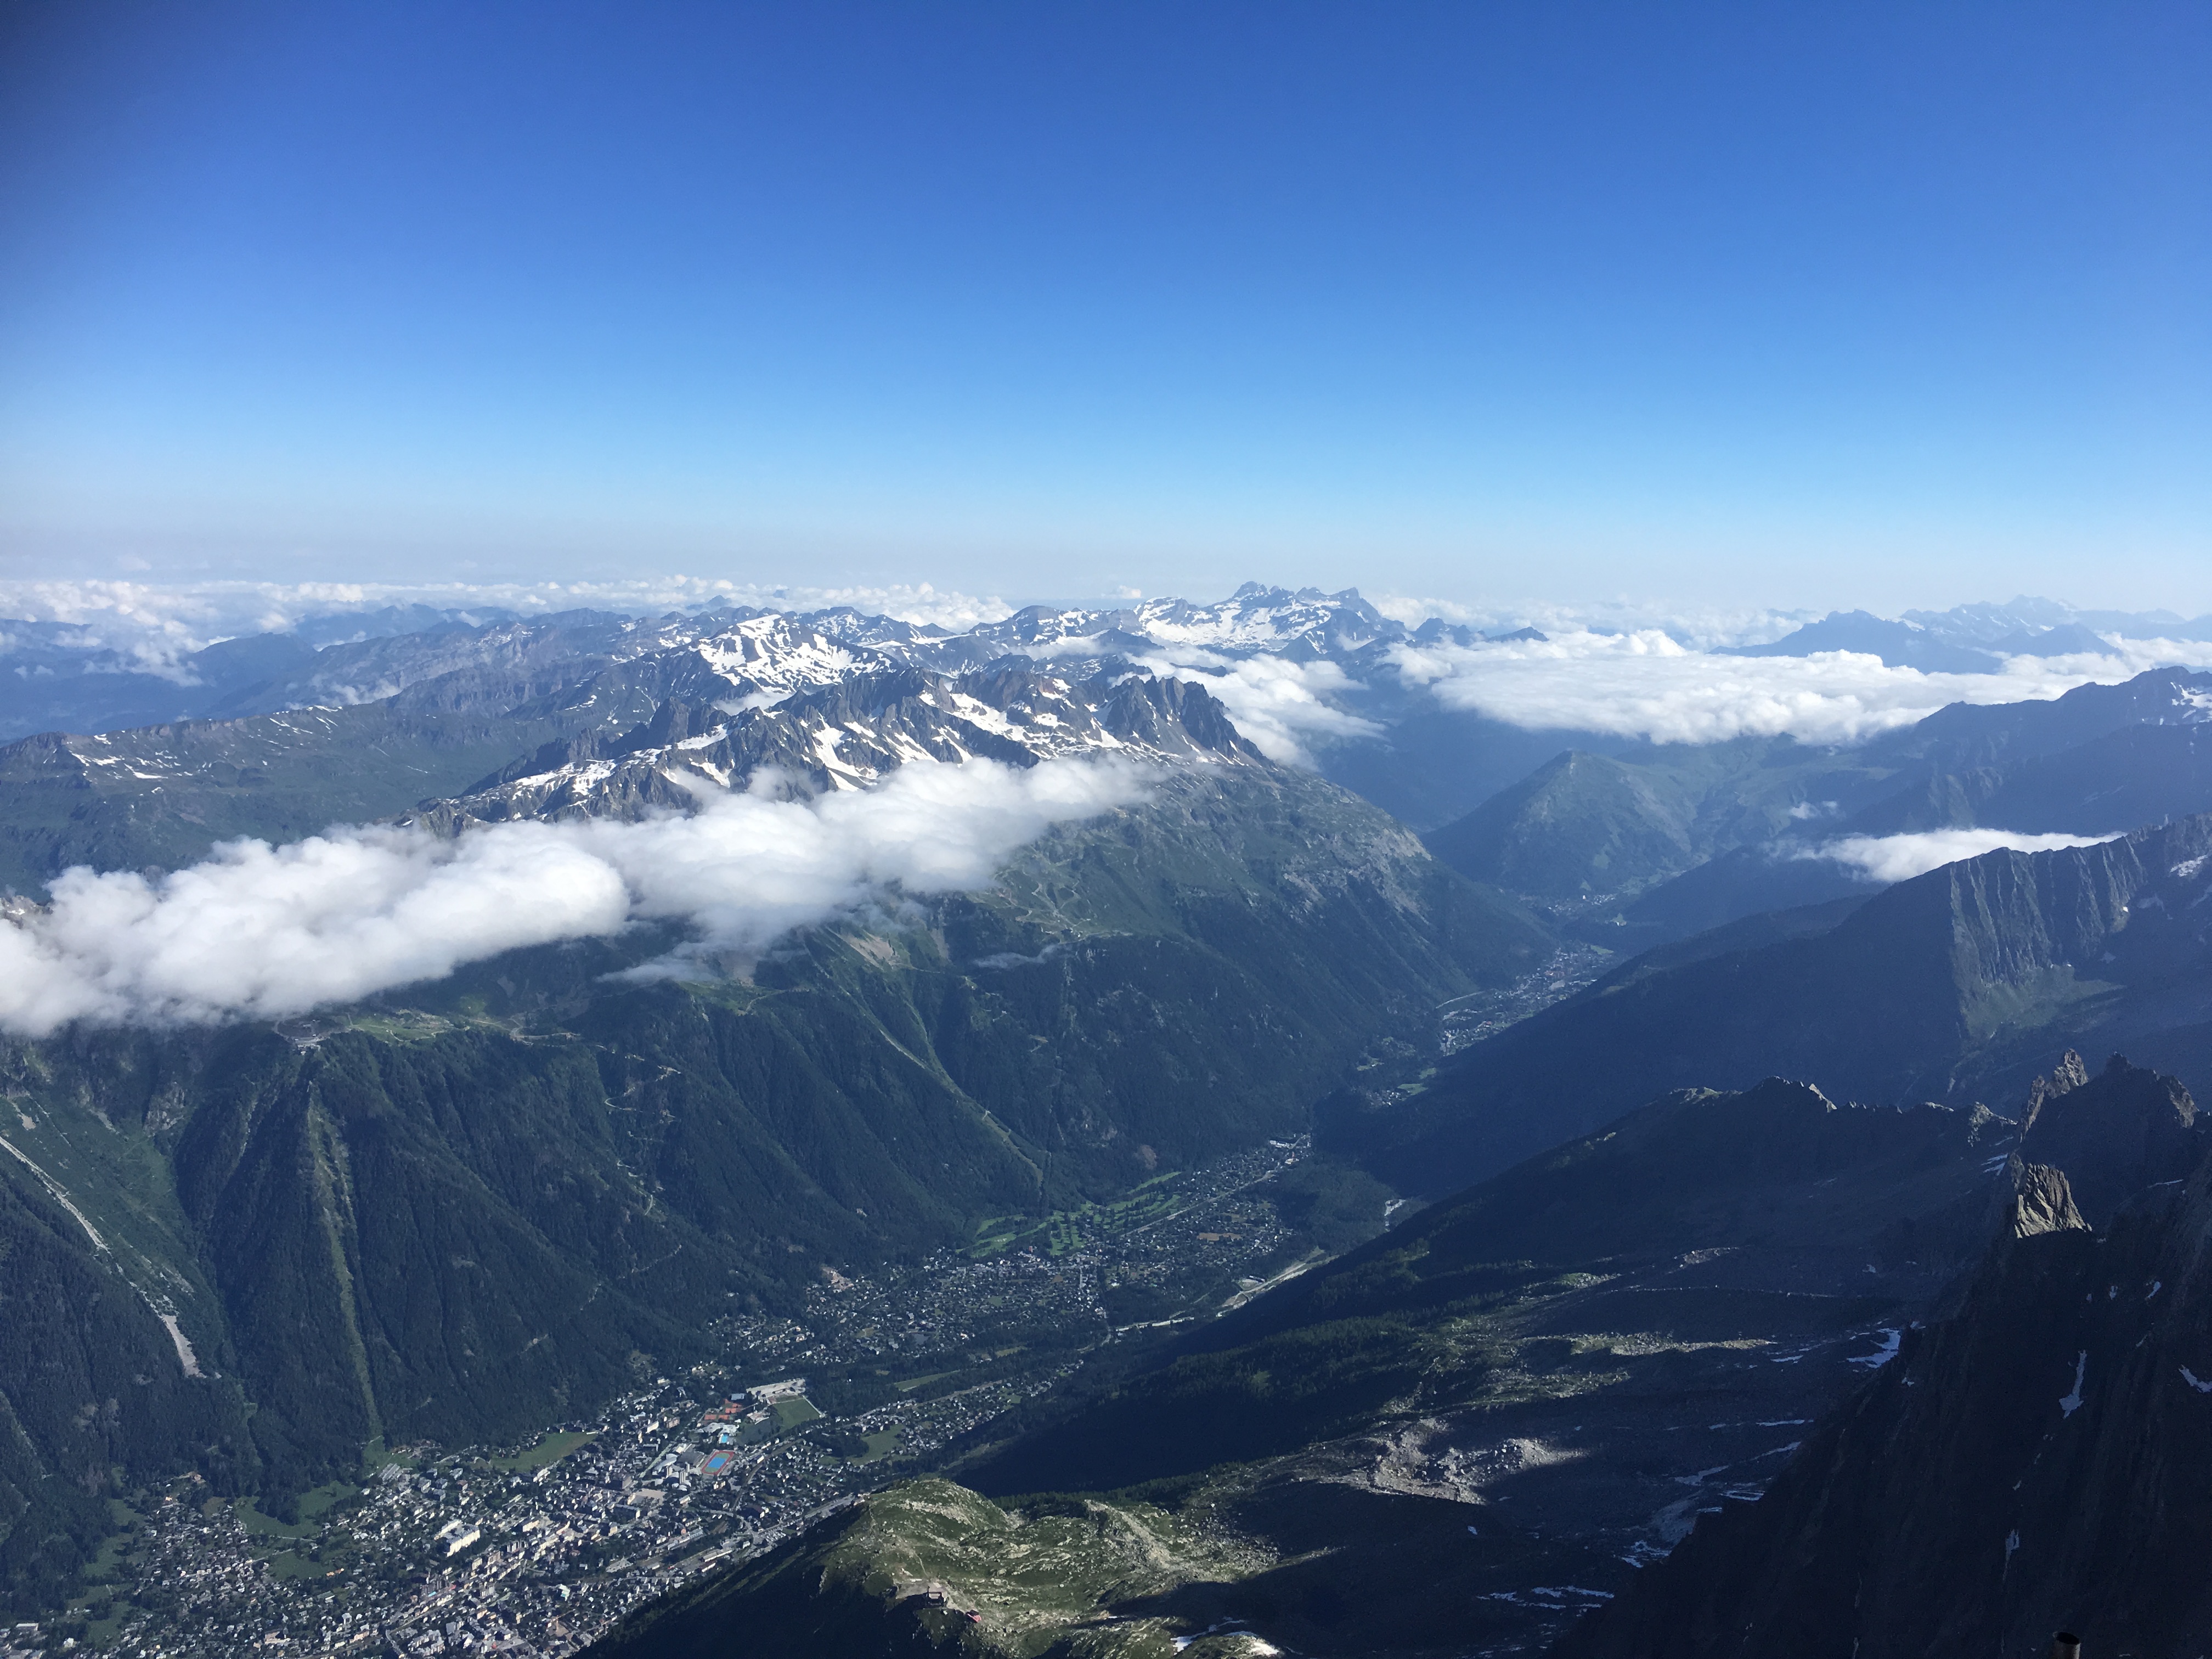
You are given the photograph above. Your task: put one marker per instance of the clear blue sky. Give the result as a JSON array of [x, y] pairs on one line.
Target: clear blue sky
[[1798, 304]]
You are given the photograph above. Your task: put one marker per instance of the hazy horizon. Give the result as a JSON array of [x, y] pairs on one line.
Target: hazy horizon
[[1877, 307]]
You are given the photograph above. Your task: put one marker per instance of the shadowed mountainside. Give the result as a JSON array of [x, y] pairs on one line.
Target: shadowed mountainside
[[1414, 1448], [1779, 1172], [1685, 837], [2035, 1457], [1943, 987]]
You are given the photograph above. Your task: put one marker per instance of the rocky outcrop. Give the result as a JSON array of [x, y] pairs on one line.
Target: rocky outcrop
[[2114, 1134]]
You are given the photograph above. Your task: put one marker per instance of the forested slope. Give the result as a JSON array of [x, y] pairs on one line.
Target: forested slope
[[477, 1206]]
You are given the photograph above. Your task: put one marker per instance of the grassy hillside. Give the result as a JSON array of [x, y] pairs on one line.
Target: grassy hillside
[[929, 1567], [1579, 823]]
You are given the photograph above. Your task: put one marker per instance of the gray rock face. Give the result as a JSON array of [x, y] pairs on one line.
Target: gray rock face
[[2040, 1201], [2115, 1135]]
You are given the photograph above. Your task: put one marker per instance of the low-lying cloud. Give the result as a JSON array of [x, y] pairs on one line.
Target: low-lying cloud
[[1647, 684], [261, 932], [1276, 702], [1901, 858]]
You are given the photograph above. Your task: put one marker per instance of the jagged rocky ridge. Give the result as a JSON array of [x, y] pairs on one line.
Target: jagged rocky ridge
[[578, 712], [343, 661], [847, 734], [2036, 1457], [586, 677], [83, 677]]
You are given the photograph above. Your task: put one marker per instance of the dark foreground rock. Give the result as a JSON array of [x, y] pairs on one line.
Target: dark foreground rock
[[2037, 1458]]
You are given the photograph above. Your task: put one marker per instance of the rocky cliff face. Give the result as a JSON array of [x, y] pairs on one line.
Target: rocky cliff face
[[2035, 1457], [2115, 1135]]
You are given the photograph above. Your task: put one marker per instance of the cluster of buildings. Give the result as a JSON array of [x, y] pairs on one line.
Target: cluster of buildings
[[537, 1551], [1471, 1019]]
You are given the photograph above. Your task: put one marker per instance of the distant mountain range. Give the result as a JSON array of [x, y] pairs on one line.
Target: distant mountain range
[[1369, 729], [1974, 639], [1695, 838]]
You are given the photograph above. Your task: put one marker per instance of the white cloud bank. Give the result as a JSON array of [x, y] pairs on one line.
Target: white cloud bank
[[1276, 702], [1901, 858], [1646, 685], [262, 932]]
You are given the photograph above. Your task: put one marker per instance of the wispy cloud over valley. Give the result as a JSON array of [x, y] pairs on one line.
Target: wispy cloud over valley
[[264, 931], [1900, 858]]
